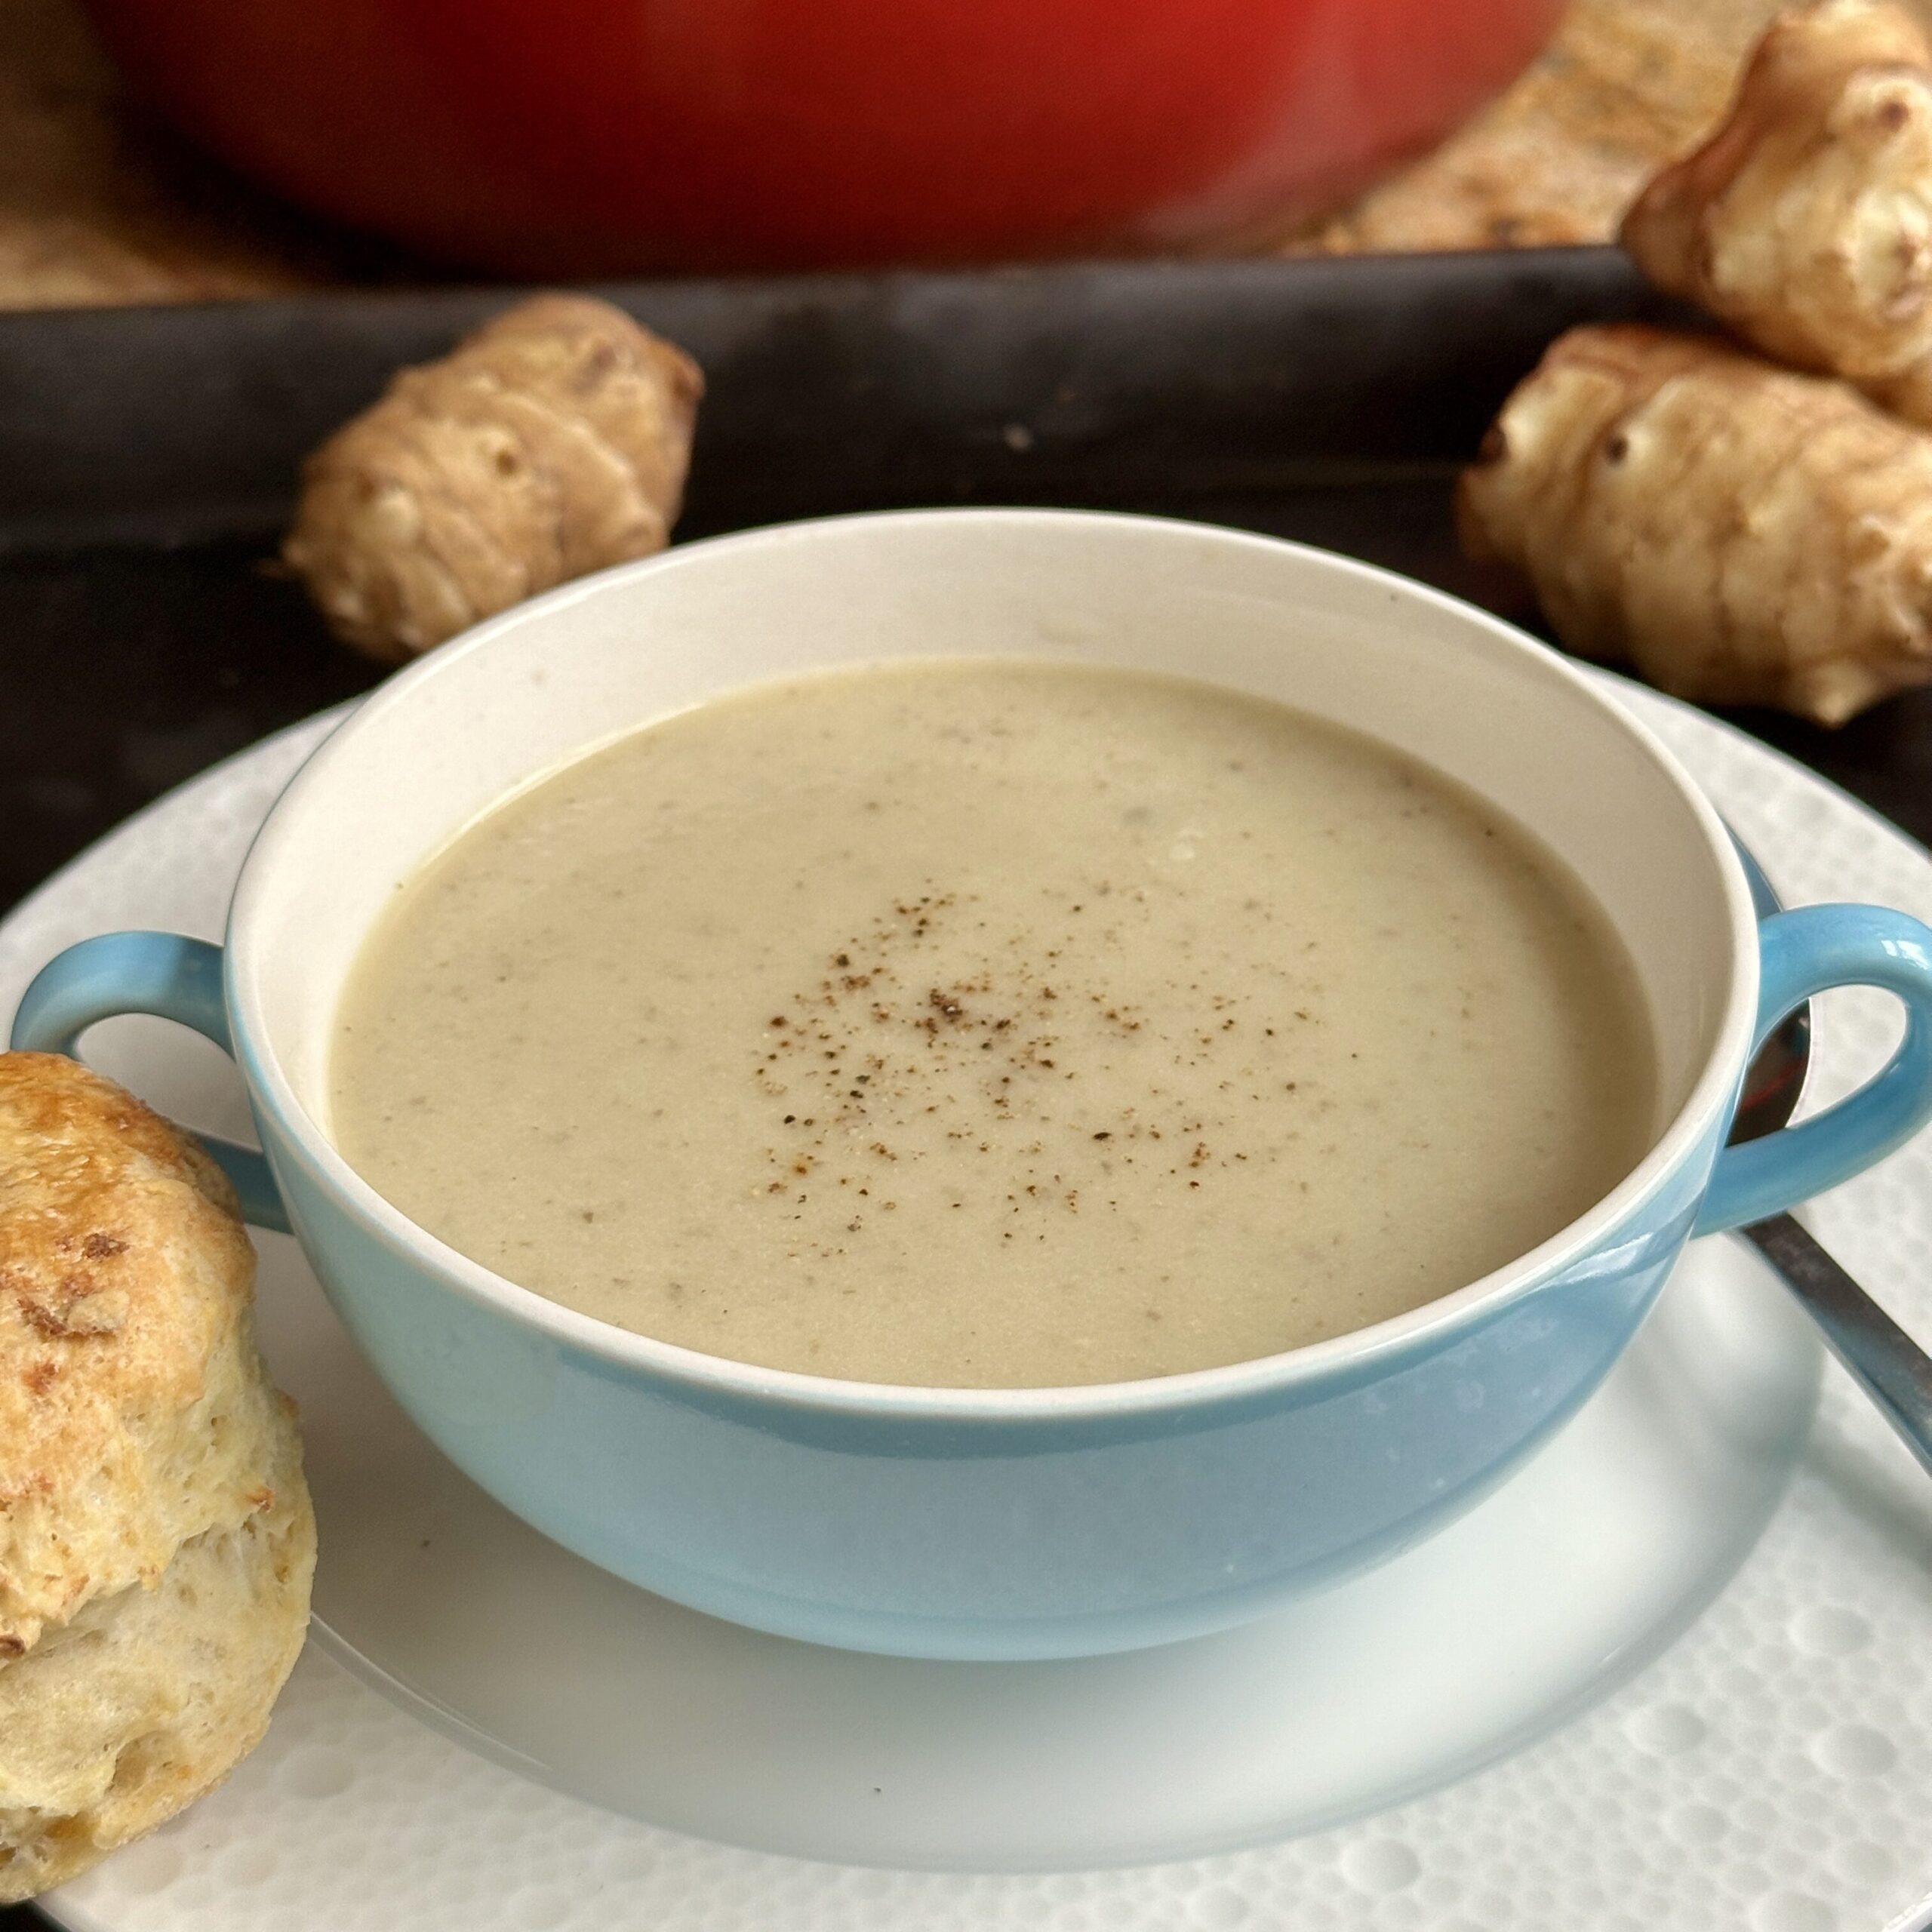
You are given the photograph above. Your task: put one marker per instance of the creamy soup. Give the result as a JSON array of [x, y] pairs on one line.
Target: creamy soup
[[992, 1024]]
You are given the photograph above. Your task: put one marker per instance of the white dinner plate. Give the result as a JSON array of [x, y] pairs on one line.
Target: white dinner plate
[[1678, 1673]]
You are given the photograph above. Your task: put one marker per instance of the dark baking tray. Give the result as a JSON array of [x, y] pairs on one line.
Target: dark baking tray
[[148, 460]]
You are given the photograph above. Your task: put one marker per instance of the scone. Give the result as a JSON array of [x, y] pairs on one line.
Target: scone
[[156, 1541]]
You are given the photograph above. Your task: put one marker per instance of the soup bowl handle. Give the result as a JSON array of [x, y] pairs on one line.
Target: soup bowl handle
[[172, 977], [1803, 953]]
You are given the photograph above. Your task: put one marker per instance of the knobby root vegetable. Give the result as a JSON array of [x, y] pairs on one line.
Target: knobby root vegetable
[[1741, 534], [553, 441], [1805, 224]]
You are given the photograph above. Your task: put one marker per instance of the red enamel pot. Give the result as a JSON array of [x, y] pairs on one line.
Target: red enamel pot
[[587, 137]]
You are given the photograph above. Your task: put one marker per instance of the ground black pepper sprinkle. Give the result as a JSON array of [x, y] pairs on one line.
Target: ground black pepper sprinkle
[[988, 1000]]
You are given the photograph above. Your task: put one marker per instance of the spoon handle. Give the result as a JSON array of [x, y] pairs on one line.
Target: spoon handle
[[1887, 1363]]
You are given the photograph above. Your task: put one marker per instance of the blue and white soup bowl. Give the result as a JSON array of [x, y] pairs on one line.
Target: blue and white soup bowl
[[1036, 1522]]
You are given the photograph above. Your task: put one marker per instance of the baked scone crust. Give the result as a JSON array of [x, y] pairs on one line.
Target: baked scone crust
[[156, 1540], [146, 1700], [133, 1412]]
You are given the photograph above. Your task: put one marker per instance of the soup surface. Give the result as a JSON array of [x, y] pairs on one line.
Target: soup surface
[[992, 1024]]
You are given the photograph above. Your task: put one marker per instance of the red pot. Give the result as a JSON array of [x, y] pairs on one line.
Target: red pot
[[582, 136]]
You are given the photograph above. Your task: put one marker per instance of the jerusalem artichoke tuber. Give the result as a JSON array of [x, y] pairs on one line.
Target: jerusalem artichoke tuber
[[552, 441], [1805, 224], [1740, 533]]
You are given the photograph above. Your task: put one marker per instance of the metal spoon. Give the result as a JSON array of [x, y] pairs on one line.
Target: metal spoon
[[1883, 1360]]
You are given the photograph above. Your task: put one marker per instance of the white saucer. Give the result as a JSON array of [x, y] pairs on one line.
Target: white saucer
[[1771, 1770]]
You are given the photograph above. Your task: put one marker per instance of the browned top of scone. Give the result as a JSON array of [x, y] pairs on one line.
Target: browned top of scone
[[133, 1411]]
